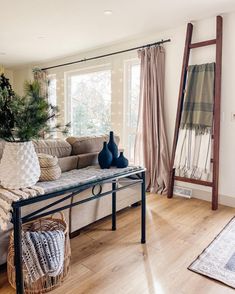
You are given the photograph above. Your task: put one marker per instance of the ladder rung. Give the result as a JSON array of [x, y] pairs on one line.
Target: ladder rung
[[201, 44], [194, 181]]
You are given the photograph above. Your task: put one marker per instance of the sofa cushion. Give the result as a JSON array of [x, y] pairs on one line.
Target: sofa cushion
[[82, 145], [55, 147], [68, 163], [87, 159]]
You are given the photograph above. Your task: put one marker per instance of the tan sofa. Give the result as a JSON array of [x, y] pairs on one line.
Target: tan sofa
[[77, 153]]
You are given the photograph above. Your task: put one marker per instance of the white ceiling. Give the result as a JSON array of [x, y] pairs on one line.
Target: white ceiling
[[33, 31]]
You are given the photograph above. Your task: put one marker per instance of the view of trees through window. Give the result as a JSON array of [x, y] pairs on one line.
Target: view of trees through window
[[90, 96]]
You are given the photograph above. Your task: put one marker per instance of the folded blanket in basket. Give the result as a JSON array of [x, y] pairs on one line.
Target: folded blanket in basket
[[43, 253], [9, 196]]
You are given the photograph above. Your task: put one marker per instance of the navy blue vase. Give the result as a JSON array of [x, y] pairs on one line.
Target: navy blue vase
[[113, 148], [105, 157], [122, 161]]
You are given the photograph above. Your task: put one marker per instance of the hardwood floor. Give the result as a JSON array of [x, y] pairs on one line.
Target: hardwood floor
[[115, 262]]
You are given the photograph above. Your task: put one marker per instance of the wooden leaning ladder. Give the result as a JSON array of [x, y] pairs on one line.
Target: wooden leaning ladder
[[216, 125]]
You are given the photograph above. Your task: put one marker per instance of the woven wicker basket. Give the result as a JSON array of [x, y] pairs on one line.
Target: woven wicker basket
[[46, 160], [50, 173], [46, 283]]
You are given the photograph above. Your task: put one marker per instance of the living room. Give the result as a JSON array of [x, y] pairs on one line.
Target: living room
[[117, 122]]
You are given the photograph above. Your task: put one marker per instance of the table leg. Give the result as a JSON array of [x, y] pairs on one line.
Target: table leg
[[114, 185], [18, 249], [143, 210]]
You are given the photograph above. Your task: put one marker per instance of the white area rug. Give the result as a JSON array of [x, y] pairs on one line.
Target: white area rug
[[217, 261]]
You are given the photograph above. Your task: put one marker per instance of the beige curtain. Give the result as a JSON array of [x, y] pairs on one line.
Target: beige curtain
[[41, 77], [151, 148]]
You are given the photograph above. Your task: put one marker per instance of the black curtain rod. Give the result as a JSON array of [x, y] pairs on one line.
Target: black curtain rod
[[106, 55]]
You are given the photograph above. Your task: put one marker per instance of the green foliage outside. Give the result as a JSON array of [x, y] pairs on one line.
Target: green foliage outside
[[91, 103]]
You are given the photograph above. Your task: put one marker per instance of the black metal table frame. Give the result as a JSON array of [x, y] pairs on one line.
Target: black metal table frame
[[131, 178]]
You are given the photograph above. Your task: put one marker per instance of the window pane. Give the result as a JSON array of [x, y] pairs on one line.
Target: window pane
[[52, 99], [132, 106], [131, 145], [52, 90], [134, 95], [91, 103]]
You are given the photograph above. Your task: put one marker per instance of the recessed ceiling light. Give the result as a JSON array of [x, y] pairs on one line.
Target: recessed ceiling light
[[108, 12], [41, 37]]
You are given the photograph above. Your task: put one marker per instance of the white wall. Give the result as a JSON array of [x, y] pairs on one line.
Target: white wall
[[20, 76], [204, 29], [8, 73]]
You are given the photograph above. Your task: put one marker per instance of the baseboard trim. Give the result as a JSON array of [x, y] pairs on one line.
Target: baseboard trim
[[205, 195]]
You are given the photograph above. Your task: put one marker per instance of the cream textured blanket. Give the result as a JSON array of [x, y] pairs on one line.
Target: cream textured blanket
[[9, 196]]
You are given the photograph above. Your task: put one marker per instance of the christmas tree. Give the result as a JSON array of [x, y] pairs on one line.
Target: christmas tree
[[6, 115], [27, 117]]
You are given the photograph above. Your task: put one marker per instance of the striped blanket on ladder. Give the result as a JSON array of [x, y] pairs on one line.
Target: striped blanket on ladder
[[194, 145]]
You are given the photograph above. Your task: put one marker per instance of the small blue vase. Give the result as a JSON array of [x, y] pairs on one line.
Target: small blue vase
[[113, 148], [122, 161], [105, 157]]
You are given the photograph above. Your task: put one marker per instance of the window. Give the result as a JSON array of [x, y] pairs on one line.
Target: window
[[52, 90], [131, 105], [89, 107], [52, 99]]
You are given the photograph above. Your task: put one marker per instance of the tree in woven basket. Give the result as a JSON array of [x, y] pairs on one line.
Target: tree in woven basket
[[23, 118]]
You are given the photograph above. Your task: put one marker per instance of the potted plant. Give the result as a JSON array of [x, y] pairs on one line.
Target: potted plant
[[21, 120]]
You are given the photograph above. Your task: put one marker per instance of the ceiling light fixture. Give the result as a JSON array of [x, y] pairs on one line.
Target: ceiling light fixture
[[108, 12], [41, 37]]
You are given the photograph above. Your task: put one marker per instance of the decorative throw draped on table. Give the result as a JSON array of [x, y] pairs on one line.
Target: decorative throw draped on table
[[9, 196], [193, 152]]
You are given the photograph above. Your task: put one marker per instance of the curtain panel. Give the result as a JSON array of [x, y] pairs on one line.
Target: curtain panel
[[151, 147]]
